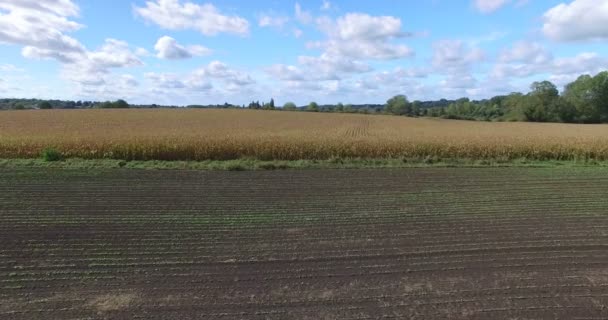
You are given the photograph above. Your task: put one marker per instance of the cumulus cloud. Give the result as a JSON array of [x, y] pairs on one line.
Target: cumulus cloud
[[168, 48], [123, 86], [454, 56], [9, 68], [528, 52], [165, 80], [361, 36], [456, 60], [205, 18], [57, 7], [489, 6], [324, 67], [326, 5], [576, 21], [302, 16], [203, 79], [94, 67], [113, 54], [330, 64], [271, 20], [529, 59], [350, 41], [40, 27]]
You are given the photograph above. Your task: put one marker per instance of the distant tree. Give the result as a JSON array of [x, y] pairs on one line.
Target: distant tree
[[540, 104], [589, 96], [348, 108], [290, 106], [398, 105], [340, 107], [121, 104], [45, 105], [416, 108], [312, 107], [269, 106], [118, 104]]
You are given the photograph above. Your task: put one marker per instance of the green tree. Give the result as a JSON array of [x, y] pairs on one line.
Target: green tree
[[290, 106], [118, 104], [398, 105], [45, 105], [121, 104], [340, 107], [541, 103], [583, 98], [416, 108], [312, 107]]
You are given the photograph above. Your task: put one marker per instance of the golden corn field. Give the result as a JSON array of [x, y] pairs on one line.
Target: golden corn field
[[273, 135]]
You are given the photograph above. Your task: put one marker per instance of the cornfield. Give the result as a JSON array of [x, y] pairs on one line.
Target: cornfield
[[272, 135]]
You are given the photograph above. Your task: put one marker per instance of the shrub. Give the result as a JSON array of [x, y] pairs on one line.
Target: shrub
[[45, 105], [50, 154]]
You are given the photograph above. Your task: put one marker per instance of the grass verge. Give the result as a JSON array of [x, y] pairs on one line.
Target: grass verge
[[252, 164]]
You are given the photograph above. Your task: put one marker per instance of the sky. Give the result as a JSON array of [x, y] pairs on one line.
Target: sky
[[181, 52]]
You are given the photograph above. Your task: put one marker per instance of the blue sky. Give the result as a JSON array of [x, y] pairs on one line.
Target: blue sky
[[199, 52]]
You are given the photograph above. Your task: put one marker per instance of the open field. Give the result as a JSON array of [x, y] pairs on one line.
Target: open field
[[274, 135], [457, 243]]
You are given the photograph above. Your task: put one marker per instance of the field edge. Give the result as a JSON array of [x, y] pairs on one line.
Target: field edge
[[254, 164]]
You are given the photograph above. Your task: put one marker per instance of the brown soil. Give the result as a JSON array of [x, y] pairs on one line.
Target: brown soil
[[510, 243]]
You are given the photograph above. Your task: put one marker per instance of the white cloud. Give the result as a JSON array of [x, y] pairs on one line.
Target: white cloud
[[94, 67], [302, 16], [142, 52], [578, 20], [489, 6], [456, 60], [351, 40], [205, 18], [114, 54], [9, 68], [40, 26], [361, 36], [326, 5], [527, 52], [329, 64], [454, 56], [324, 67], [216, 76], [269, 20], [297, 33], [123, 86], [168, 48], [360, 26], [526, 60], [165, 80], [582, 63], [56, 7]]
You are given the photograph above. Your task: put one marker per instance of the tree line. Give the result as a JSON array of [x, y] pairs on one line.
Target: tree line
[[585, 100]]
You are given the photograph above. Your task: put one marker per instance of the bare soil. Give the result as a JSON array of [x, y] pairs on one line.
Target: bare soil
[[436, 243]]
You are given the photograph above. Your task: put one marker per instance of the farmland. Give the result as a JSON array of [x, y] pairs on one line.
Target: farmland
[[458, 243], [275, 135]]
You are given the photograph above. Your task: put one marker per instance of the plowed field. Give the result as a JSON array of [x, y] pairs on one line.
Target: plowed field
[[504, 243]]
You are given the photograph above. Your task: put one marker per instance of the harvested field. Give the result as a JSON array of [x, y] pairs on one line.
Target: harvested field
[[517, 243], [275, 135]]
